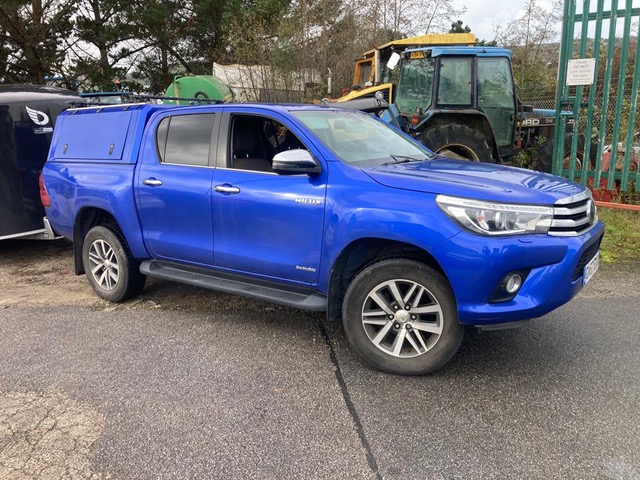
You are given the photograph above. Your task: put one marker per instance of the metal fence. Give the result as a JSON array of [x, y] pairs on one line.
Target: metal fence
[[598, 37], [609, 121]]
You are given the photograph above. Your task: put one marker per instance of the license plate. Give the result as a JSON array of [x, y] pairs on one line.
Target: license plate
[[590, 268]]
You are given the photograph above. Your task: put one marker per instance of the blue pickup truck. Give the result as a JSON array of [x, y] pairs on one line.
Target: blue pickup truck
[[320, 209]]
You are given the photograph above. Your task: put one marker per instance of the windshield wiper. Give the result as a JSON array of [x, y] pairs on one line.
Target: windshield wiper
[[401, 159]]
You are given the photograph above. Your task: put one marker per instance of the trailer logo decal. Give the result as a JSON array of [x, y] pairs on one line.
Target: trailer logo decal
[[37, 117]]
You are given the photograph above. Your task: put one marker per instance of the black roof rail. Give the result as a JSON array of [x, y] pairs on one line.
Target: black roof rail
[[143, 98]]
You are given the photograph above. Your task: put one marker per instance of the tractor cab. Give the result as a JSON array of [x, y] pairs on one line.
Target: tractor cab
[[458, 99], [474, 83]]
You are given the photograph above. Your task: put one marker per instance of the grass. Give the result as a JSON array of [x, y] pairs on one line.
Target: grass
[[621, 243]]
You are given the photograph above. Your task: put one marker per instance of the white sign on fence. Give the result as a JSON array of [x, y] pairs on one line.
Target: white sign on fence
[[581, 71]]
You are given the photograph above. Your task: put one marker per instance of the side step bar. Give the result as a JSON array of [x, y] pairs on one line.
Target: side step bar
[[304, 299]]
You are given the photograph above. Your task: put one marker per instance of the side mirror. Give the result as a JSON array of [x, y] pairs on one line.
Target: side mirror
[[295, 161], [393, 61]]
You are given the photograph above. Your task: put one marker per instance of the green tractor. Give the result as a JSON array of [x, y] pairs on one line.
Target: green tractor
[[457, 98]]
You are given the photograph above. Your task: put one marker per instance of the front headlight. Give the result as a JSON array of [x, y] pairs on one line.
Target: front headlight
[[490, 218]]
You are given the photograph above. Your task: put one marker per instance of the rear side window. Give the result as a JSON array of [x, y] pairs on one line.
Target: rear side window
[[185, 139], [455, 81]]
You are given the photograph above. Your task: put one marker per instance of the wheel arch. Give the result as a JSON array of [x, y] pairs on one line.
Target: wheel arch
[[86, 219], [363, 252]]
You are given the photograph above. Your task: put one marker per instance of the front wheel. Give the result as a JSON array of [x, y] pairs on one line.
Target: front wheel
[[400, 316], [111, 270]]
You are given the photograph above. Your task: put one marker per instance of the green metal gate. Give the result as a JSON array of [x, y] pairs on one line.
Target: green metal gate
[[599, 37]]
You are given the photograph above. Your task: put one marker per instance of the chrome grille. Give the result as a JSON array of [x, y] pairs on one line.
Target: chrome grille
[[574, 215]]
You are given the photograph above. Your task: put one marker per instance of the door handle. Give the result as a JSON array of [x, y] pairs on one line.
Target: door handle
[[153, 182], [226, 189]]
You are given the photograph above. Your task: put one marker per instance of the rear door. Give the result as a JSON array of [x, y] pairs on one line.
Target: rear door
[[265, 223], [173, 183]]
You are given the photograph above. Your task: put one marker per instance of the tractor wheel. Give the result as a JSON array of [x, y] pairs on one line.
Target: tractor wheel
[[458, 141], [545, 154]]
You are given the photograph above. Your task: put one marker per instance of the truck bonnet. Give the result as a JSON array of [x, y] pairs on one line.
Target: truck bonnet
[[476, 180]]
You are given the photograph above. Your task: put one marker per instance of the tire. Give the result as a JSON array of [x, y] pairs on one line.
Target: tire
[[391, 338], [458, 141], [111, 270], [545, 154]]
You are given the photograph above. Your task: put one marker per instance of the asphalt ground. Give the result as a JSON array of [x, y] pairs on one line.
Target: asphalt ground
[[256, 391]]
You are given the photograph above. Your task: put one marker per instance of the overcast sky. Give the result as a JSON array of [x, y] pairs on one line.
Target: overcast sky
[[482, 16]]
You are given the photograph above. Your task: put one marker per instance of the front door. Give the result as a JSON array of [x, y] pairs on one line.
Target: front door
[[496, 98], [265, 223]]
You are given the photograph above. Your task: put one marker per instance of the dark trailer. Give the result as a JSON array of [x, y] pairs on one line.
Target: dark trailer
[[27, 117]]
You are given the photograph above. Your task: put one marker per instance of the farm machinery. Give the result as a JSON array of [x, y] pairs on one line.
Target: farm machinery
[[458, 98]]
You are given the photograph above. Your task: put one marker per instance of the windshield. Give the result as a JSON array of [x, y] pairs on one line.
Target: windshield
[[415, 85], [359, 139]]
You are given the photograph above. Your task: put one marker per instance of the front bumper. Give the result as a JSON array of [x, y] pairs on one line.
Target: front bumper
[[475, 265]]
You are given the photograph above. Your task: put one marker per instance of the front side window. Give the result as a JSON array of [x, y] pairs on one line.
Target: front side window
[[255, 140], [359, 139], [365, 73], [415, 85], [185, 139], [454, 86]]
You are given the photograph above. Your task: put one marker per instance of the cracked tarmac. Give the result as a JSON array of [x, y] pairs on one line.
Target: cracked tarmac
[[47, 436]]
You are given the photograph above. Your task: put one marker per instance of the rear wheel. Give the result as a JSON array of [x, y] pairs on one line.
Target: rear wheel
[[112, 272], [458, 141], [545, 154], [400, 316]]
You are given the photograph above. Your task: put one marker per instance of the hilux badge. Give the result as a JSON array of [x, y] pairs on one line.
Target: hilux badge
[[308, 201]]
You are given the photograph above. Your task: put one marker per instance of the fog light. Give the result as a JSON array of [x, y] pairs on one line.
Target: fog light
[[509, 286], [514, 282]]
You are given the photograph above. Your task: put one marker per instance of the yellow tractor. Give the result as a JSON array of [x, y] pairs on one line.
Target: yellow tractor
[[372, 74]]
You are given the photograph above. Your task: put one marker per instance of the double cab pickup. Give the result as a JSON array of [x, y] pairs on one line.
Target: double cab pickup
[[320, 209]]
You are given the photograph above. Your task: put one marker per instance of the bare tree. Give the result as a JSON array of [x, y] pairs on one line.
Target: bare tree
[[533, 37], [392, 19]]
